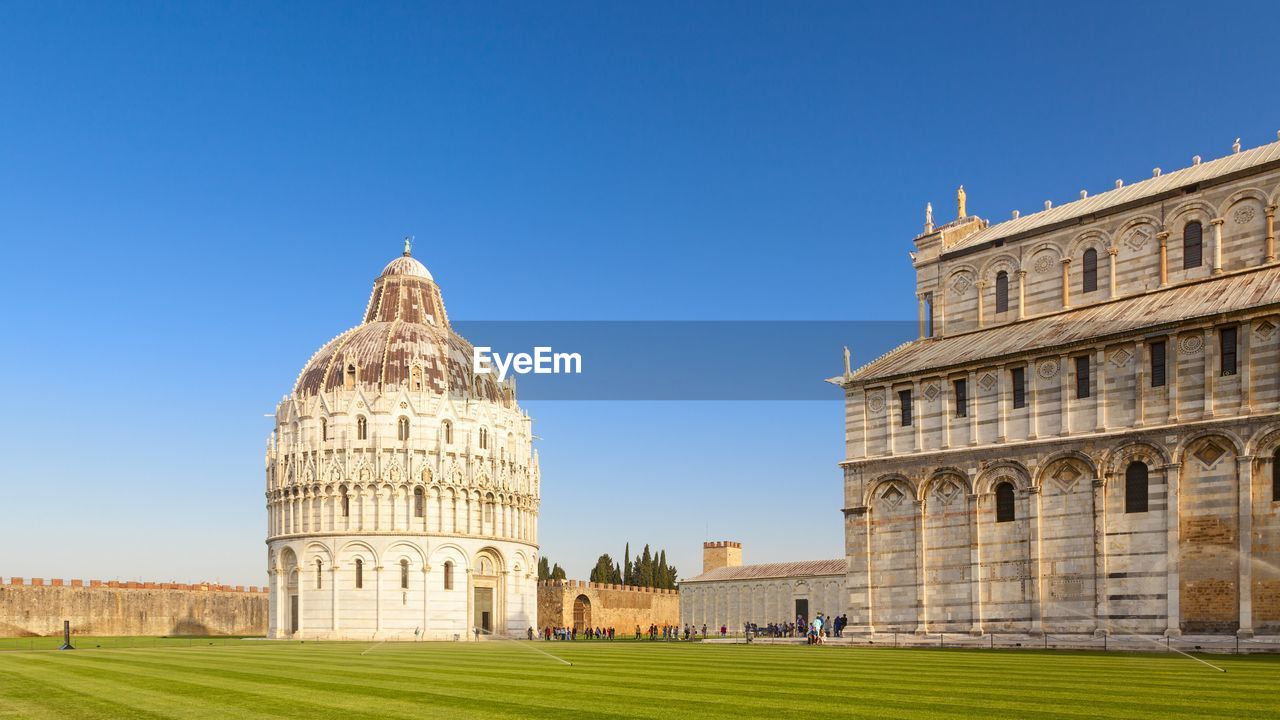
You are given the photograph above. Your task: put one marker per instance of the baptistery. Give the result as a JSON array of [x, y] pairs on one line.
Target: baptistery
[[402, 488]]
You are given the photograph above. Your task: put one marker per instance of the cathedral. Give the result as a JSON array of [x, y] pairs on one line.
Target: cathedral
[[402, 489], [1085, 437]]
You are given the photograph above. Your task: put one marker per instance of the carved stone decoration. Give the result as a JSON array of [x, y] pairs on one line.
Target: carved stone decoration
[[403, 405], [892, 496], [1244, 215], [1066, 476], [960, 286], [946, 492], [1209, 452], [875, 402], [1265, 329], [1191, 344], [1121, 357], [1043, 264], [931, 392], [1138, 237], [987, 381], [1048, 369]]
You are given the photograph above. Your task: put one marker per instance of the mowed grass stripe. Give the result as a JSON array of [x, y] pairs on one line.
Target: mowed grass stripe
[[54, 697], [339, 695], [909, 696], [913, 700], [322, 680]]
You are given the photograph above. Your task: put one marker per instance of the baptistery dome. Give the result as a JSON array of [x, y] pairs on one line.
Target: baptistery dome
[[402, 491]]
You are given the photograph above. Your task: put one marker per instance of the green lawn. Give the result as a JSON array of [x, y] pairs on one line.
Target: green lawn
[[185, 678]]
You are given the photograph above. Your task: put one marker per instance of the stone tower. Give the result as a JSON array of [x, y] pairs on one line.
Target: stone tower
[[722, 553]]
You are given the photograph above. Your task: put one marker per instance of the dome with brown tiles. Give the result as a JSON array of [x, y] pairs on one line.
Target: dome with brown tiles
[[405, 340]]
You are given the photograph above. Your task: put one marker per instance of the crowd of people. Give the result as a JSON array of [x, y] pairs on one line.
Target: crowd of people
[[815, 631]]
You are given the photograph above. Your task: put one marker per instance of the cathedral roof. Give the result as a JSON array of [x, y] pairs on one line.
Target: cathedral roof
[[405, 340], [761, 571], [1239, 163], [1256, 288]]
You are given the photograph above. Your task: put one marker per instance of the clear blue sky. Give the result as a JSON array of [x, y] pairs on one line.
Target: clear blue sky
[[195, 196]]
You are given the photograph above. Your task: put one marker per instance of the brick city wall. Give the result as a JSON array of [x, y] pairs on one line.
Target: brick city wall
[[96, 607], [621, 607]]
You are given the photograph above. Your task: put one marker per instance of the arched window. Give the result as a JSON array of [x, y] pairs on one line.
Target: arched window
[[1090, 271], [1135, 487], [324, 428], [404, 574], [418, 502], [362, 428], [1002, 291], [1192, 236], [1004, 502], [349, 379], [448, 575], [359, 573], [415, 383], [319, 574], [1275, 476], [484, 438], [346, 501], [402, 428], [446, 432]]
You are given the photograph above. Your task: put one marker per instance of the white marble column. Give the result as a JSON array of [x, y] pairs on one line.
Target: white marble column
[[1022, 294], [1245, 474], [1217, 245], [1111, 255]]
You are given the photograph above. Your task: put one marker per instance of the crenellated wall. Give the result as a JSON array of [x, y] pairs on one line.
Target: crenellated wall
[[576, 603], [114, 608]]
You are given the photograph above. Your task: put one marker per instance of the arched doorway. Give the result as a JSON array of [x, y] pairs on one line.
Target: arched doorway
[[581, 613]]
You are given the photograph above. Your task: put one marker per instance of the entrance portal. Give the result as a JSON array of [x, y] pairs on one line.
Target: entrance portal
[[802, 609], [484, 609], [581, 613], [293, 614]]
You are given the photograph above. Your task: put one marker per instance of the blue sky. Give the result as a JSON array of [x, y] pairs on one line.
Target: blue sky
[[195, 196]]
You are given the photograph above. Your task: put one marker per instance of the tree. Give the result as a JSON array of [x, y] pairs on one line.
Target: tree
[[546, 571], [644, 571], [606, 571], [627, 577]]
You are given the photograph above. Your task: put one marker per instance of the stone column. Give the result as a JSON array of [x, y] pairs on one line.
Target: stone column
[[1066, 373], [1172, 477], [971, 387], [1171, 376], [920, 302], [1101, 611], [1111, 254], [975, 565], [946, 416], [1032, 376], [273, 603], [1032, 496], [922, 617], [1209, 356], [1140, 382], [1271, 235], [1163, 237], [1066, 283], [1100, 403], [1022, 294], [939, 312], [377, 599], [891, 419], [917, 416], [1245, 473], [426, 597], [1217, 245], [981, 285], [333, 589], [1001, 405], [1245, 361]]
